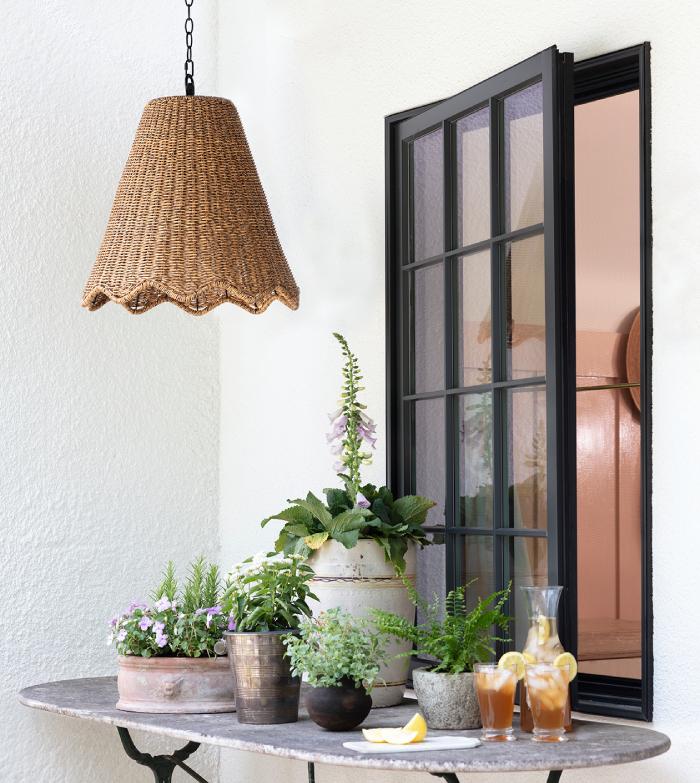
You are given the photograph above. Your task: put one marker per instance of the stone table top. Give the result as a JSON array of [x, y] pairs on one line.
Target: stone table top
[[591, 744]]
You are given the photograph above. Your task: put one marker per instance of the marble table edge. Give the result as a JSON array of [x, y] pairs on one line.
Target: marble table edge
[[414, 763]]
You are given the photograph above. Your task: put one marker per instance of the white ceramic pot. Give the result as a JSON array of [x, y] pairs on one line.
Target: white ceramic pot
[[175, 685], [358, 580]]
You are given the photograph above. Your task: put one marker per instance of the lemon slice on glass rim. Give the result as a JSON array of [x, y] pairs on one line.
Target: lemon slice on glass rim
[[567, 661], [513, 659]]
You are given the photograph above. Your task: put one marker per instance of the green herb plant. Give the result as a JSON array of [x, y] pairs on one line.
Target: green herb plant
[[269, 592], [355, 511], [452, 635], [334, 649]]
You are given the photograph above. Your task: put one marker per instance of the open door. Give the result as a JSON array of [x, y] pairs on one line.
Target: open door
[[481, 303]]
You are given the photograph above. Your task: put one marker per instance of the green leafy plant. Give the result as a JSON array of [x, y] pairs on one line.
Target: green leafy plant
[[268, 593], [354, 511], [452, 635], [336, 647], [185, 624]]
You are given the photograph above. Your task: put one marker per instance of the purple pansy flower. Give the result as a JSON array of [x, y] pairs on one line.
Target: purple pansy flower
[[231, 624], [212, 612], [121, 635], [145, 623], [162, 604], [113, 622], [161, 639], [158, 628]]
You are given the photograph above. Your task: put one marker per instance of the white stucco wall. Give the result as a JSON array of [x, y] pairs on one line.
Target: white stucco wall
[[108, 424], [313, 81]]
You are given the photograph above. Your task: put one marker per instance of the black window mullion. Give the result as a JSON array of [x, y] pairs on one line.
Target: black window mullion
[[497, 322], [451, 444]]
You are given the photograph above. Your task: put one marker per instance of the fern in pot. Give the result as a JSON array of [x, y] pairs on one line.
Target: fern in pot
[[340, 657], [455, 638], [360, 540]]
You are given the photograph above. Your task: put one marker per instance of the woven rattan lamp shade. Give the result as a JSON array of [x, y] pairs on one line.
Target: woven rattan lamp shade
[[190, 222]]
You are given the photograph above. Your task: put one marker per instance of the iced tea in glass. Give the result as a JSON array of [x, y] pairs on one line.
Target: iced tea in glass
[[495, 689], [547, 697]]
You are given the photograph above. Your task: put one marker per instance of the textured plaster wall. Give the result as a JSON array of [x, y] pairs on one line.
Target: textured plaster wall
[[313, 81], [108, 422]]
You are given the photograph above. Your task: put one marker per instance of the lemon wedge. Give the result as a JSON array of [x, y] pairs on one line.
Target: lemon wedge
[[513, 659], [567, 661], [529, 657], [400, 736], [414, 731], [542, 629], [374, 735], [417, 724]]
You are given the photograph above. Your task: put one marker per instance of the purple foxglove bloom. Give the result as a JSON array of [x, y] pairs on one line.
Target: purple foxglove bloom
[[361, 501], [366, 435], [333, 416], [231, 624], [161, 640], [121, 635], [145, 623], [338, 467], [338, 429], [337, 448], [162, 604]]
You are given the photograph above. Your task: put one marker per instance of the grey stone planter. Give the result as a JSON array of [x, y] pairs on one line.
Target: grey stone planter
[[447, 701]]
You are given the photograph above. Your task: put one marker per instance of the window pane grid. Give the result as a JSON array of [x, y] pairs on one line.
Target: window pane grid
[[478, 530]]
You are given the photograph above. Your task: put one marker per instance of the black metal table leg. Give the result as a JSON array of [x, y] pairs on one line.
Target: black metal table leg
[[161, 766], [311, 771], [450, 777]]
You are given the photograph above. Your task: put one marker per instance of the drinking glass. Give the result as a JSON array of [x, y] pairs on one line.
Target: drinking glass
[[495, 689], [547, 697]]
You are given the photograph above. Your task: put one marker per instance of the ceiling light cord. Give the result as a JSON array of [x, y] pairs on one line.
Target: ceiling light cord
[[189, 63]]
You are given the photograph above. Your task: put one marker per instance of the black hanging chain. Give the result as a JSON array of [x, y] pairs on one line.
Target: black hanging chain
[[189, 62]]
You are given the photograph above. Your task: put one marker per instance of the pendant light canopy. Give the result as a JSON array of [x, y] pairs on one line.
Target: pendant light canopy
[[190, 223]]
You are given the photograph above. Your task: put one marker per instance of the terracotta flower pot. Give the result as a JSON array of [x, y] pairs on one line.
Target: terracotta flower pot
[[173, 684], [266, 691], [338, 708], [448, 701]]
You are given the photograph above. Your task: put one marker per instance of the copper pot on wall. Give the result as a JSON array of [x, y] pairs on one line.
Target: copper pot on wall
[[266, 691]]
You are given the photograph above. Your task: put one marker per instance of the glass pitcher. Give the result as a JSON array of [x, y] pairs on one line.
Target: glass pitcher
[[542, 644]]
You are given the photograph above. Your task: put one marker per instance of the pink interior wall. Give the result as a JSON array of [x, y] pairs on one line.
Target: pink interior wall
[[608, 431]]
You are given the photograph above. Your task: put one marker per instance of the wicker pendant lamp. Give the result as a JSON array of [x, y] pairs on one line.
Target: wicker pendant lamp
[[190, 222]]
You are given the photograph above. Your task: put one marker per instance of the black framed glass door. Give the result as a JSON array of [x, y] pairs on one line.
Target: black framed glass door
[[479, 336]]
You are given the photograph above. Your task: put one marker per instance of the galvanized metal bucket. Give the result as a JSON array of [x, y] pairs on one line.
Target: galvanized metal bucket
[[266, 691]]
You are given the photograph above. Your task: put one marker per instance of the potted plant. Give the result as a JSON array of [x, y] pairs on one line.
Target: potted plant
[[455, 638], [170, 650], [361, 541], [340, 657], [266, 598]]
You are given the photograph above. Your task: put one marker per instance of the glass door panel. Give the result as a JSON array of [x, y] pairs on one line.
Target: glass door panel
[[428, 450], [475, 439], [427, 192], [427, 307], [473, 178], [524, 158], [474, 319]]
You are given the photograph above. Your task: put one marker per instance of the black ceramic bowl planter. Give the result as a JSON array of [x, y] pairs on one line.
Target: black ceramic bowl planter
[[338, 708]]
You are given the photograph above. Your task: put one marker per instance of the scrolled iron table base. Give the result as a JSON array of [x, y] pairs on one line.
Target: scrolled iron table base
[[163, 766]]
